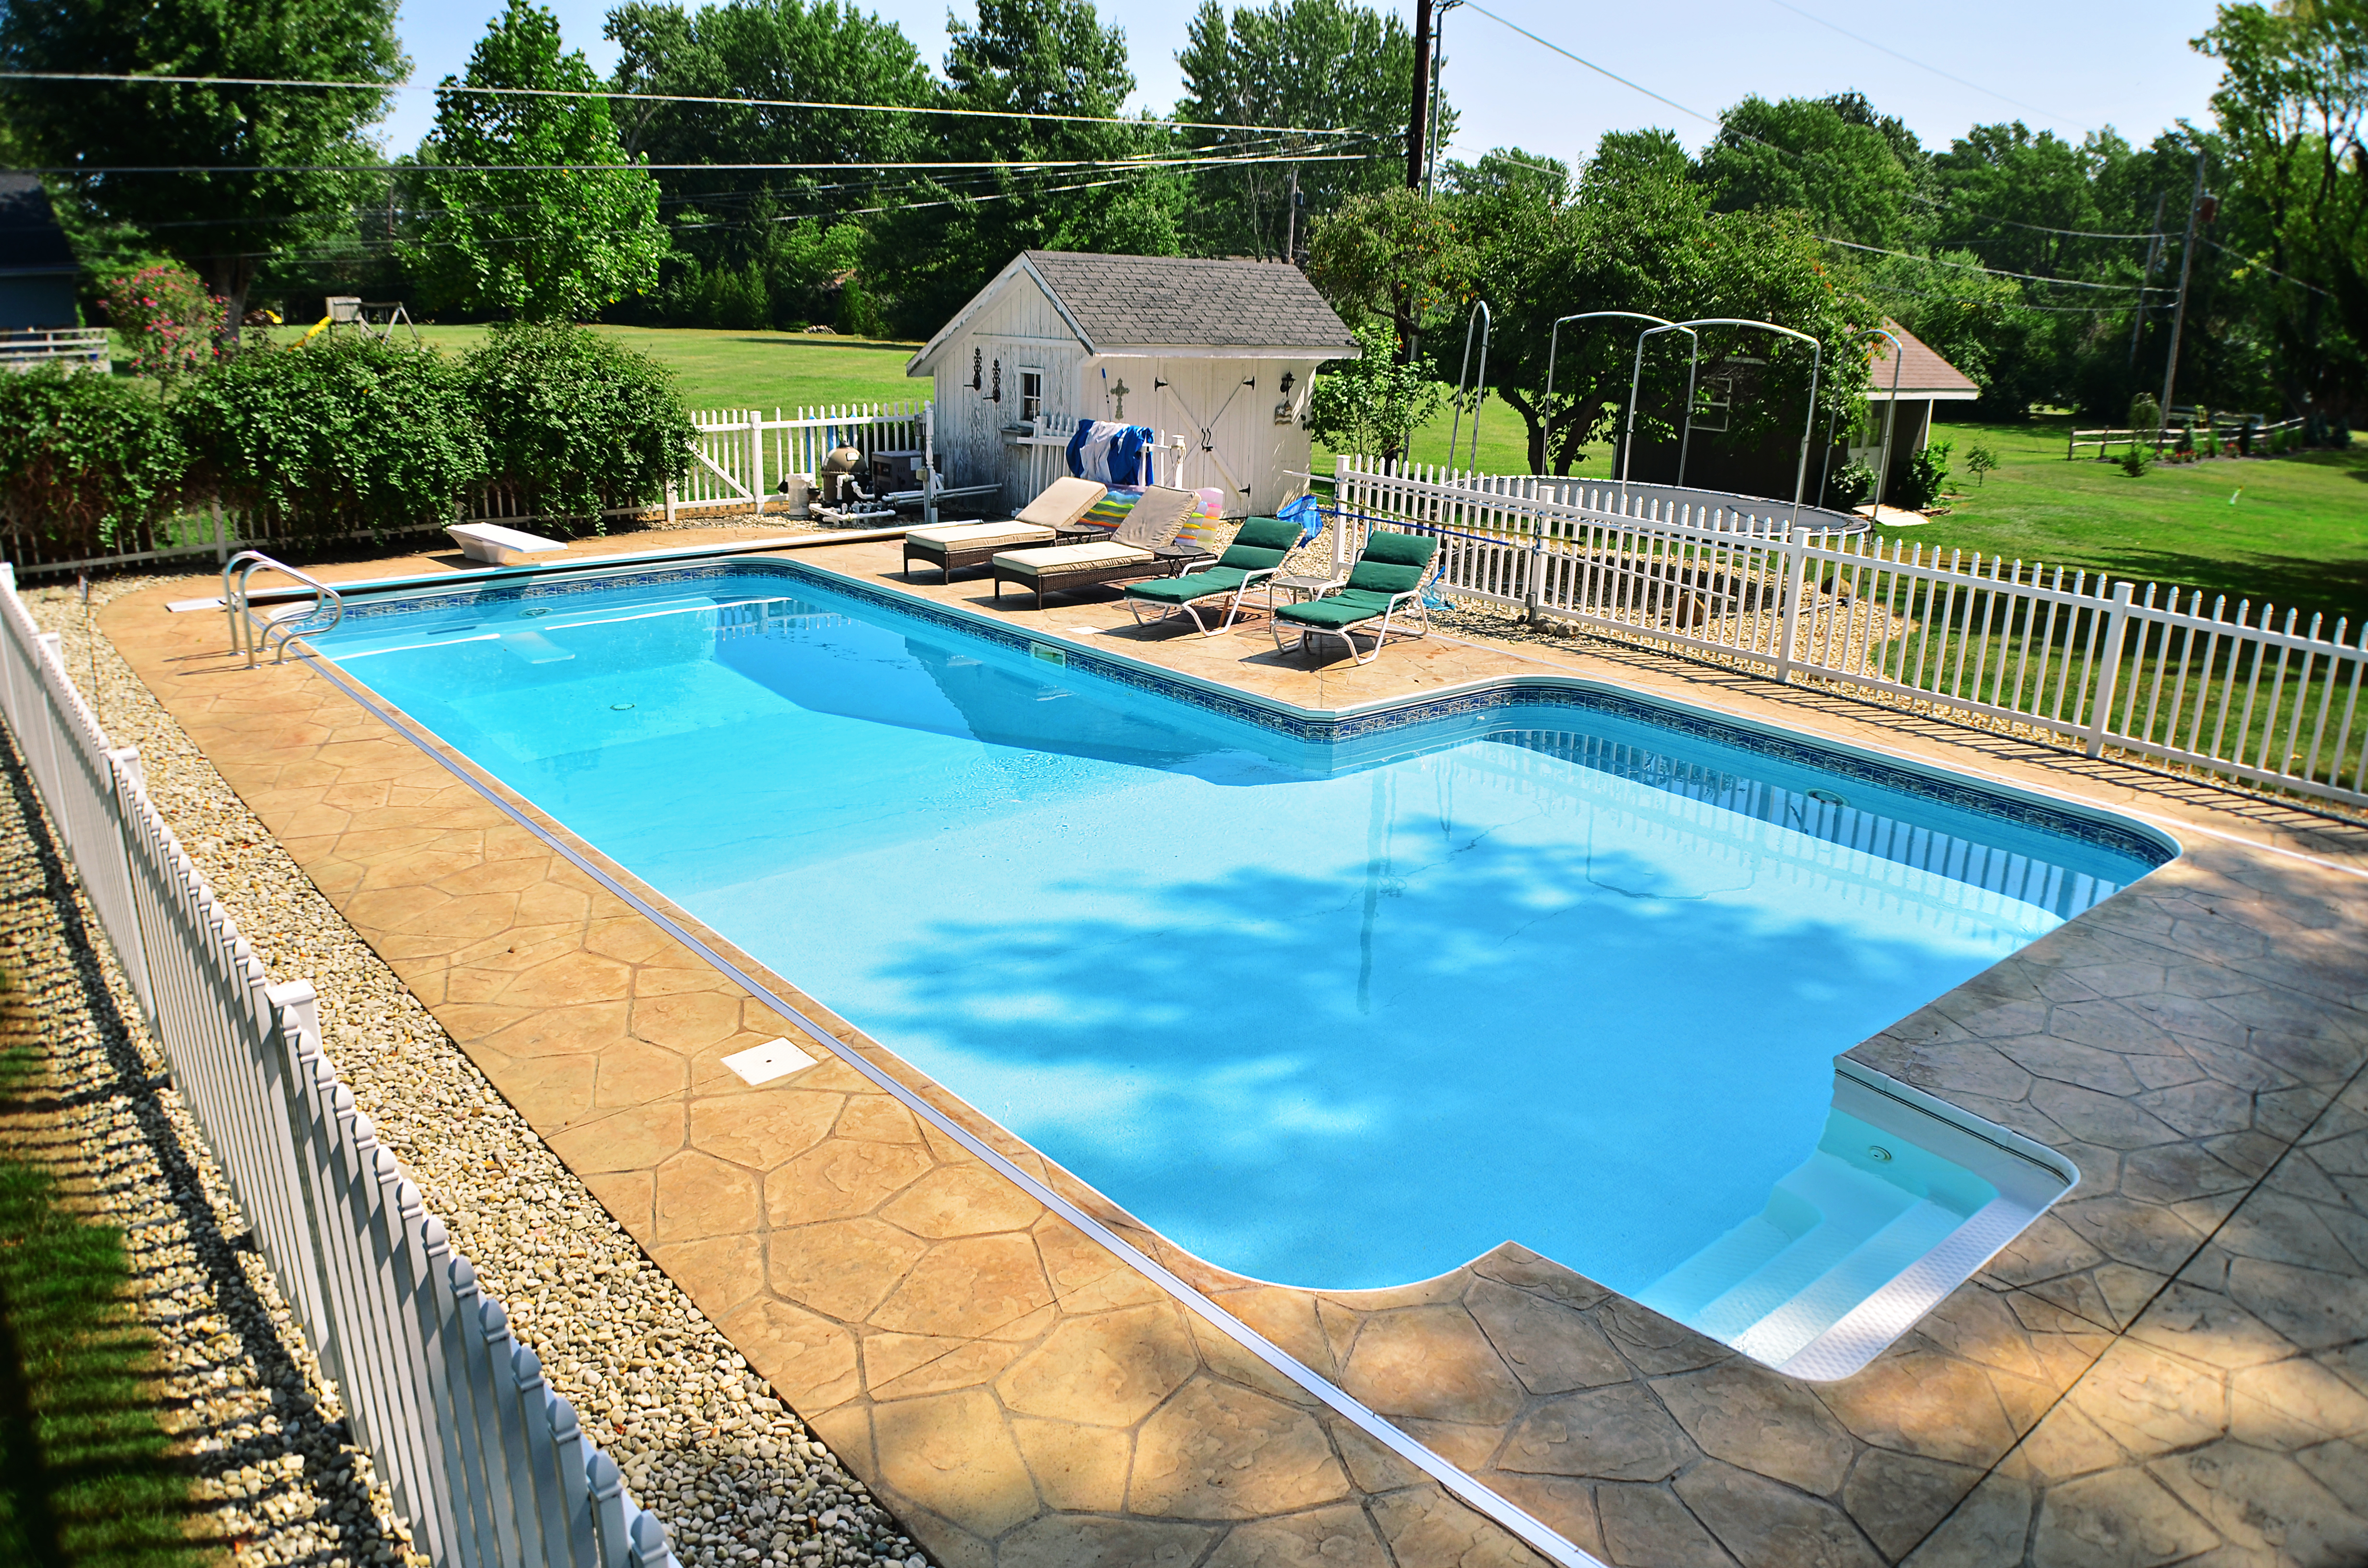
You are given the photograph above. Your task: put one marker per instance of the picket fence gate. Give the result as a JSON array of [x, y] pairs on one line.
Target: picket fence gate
[[491, 1468], [2066, 658]]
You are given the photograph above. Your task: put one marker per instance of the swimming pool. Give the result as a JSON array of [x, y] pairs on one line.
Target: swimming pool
[[1333, 1005]]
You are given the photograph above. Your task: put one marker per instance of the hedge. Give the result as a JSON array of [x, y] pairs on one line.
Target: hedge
[[577, 420], [85, 459], [336, 435]]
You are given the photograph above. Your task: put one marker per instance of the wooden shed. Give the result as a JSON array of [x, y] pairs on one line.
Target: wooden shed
[[1219, 353]]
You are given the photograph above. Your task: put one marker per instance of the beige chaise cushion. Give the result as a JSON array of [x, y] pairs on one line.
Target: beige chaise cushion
[[1152, 522], [1059, 560], [951, 536], [1063, 502]]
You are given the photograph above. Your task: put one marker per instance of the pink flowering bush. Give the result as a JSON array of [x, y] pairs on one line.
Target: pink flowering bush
[[169, 321]]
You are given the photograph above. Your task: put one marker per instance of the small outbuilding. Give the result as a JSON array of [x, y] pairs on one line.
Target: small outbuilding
[[1219, 353], [37, 266], [1925, 379]]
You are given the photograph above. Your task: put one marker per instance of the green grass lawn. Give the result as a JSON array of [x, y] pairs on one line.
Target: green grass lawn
[[84, 1478], [743, 370], [2293, 529]]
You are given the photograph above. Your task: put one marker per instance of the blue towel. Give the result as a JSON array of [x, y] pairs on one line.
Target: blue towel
[[1308, 515], [1109, 453]]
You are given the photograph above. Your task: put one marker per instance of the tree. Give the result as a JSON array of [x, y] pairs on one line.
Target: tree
[[1320, 63], [539, 245], [1846, 172], [1045, 57], [774, 241], [2291, 97], [1638, 234], [251, 180], [1371, 404], [1399, 257]]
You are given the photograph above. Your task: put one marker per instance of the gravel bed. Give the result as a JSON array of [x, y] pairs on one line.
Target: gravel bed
[[238, 1391], [706, 1444]]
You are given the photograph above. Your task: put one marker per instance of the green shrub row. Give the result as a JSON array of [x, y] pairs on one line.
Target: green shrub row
[[345, 433]]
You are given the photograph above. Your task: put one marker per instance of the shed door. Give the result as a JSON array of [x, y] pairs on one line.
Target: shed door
[[1205, 401]]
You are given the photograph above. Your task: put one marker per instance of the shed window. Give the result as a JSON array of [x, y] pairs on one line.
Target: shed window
[[1713, 403], [1031, 393]]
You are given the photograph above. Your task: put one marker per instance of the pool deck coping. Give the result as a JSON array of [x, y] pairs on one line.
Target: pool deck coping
[[2305, 838]]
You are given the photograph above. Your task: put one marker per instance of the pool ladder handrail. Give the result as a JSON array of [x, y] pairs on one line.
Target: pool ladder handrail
[[237, 604]]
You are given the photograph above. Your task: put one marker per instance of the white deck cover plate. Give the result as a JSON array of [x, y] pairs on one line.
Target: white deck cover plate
[[763, 1063]]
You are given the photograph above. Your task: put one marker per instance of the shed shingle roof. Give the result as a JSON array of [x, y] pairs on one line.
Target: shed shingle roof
[[1178, 299], [1923, 373], [30, 239]]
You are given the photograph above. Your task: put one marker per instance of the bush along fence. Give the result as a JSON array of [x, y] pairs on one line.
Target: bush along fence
[[2241, 694], [489, 1466], [739, 461]]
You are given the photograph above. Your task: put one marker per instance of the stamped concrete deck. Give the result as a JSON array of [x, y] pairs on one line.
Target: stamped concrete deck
[[2169, 1368]]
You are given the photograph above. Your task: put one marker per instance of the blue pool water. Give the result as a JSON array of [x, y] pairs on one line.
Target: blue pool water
[[1333, 1016]]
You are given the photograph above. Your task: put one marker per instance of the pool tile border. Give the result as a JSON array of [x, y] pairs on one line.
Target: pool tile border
[[1320, 729]]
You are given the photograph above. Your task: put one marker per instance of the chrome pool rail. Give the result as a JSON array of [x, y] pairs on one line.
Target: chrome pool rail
[[326, 602]]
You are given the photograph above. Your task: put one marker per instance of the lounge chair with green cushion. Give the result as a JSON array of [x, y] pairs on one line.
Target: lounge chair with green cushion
[[1386, 584], [1255, 556]]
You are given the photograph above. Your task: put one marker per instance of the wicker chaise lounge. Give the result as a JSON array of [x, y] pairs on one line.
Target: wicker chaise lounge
[[1386, 582], [1131, 552], [950, 547], [1254, 557]]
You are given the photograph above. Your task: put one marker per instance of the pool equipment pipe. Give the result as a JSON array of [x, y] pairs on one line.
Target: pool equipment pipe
[[1809, 422], [1554, 345], [1486, 321]]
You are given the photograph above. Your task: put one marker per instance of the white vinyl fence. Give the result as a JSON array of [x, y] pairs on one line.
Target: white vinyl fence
[[740, 456], [2157, 677], [491, 1468]]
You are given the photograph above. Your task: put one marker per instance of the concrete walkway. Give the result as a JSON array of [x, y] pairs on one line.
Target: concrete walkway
[[2167, 1368]]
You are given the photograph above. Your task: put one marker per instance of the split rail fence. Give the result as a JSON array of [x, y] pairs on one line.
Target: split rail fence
[[490, 1467], [2245, 694]]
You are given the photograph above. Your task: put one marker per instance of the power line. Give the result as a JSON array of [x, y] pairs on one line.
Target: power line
[[1591, 65], [1781, 152], [1022, 164], [1992, 271], [1945, 75], [2263, 266], [2016, 305], [456, 88]]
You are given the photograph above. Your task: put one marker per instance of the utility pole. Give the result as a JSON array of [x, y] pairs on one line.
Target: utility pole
[[2153, 253], [2186, 269], [1291, 218], [1430, 152], [1419, 127]]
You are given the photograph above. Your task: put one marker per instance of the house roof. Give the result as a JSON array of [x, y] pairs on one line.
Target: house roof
[[30, 239], [1133, 304], [1922, 373]]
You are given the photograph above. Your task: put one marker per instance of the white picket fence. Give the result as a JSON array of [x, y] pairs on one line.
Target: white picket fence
[[491, 1468], [740, 456], [2243, 694]]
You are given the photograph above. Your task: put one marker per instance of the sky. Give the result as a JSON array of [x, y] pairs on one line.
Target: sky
[[2071, 67]]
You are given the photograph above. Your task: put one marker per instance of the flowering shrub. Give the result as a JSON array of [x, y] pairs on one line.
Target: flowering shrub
[[168, 320]]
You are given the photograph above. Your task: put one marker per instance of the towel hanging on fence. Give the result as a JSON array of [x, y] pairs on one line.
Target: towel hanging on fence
[[1308, 513], [1113, 454]]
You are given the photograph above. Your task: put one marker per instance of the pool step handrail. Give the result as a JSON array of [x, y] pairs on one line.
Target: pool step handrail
[[326, 603]]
